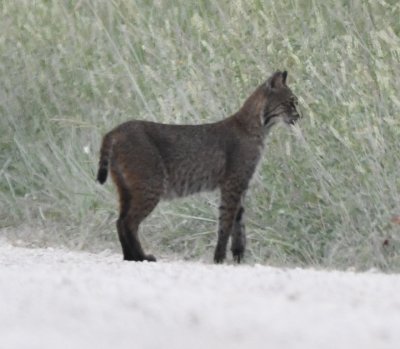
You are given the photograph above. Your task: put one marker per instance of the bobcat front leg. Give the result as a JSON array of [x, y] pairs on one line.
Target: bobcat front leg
[[230, 205], [238, 244]]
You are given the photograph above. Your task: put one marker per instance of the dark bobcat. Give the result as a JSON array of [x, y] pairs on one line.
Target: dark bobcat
[[151, 161]]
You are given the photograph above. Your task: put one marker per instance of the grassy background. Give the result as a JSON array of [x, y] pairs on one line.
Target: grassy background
[[325, 192]]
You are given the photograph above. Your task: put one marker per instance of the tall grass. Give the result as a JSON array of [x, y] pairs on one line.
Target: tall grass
[[325, 192]]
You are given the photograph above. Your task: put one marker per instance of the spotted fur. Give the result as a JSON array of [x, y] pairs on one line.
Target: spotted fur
[[151, 161]]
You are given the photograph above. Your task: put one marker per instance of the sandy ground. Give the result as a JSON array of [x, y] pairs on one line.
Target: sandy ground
[[60, 299]]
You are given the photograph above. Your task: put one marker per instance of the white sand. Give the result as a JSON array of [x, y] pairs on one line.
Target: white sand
[[61, 299]]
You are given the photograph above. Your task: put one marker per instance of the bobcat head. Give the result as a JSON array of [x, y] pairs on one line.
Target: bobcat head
[[271, 102], [282, 102]]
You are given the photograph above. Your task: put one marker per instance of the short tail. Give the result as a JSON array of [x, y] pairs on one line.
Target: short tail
[[105, 154]]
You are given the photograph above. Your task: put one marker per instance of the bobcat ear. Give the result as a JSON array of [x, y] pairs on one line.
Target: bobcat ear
[[284, 76], [278, 79]]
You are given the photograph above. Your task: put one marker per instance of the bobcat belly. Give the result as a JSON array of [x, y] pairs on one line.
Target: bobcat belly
[[187, 180]]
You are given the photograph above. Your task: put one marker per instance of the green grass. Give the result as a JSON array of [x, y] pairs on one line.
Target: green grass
[[324, 193]]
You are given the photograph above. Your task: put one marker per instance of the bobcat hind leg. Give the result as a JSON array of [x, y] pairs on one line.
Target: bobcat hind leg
[[136, 203], [141, 205]]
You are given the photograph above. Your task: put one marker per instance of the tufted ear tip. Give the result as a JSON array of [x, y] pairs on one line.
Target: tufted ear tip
[[278, 79], [284, 76]]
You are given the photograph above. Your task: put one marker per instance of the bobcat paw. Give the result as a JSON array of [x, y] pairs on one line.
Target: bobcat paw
[[238, 254], [219, 257], [150, 258]]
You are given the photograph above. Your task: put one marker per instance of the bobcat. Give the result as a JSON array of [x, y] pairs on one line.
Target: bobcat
[[151, 161]]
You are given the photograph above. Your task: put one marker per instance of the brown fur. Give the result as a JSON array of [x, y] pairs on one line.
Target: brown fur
[[150, 161]]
